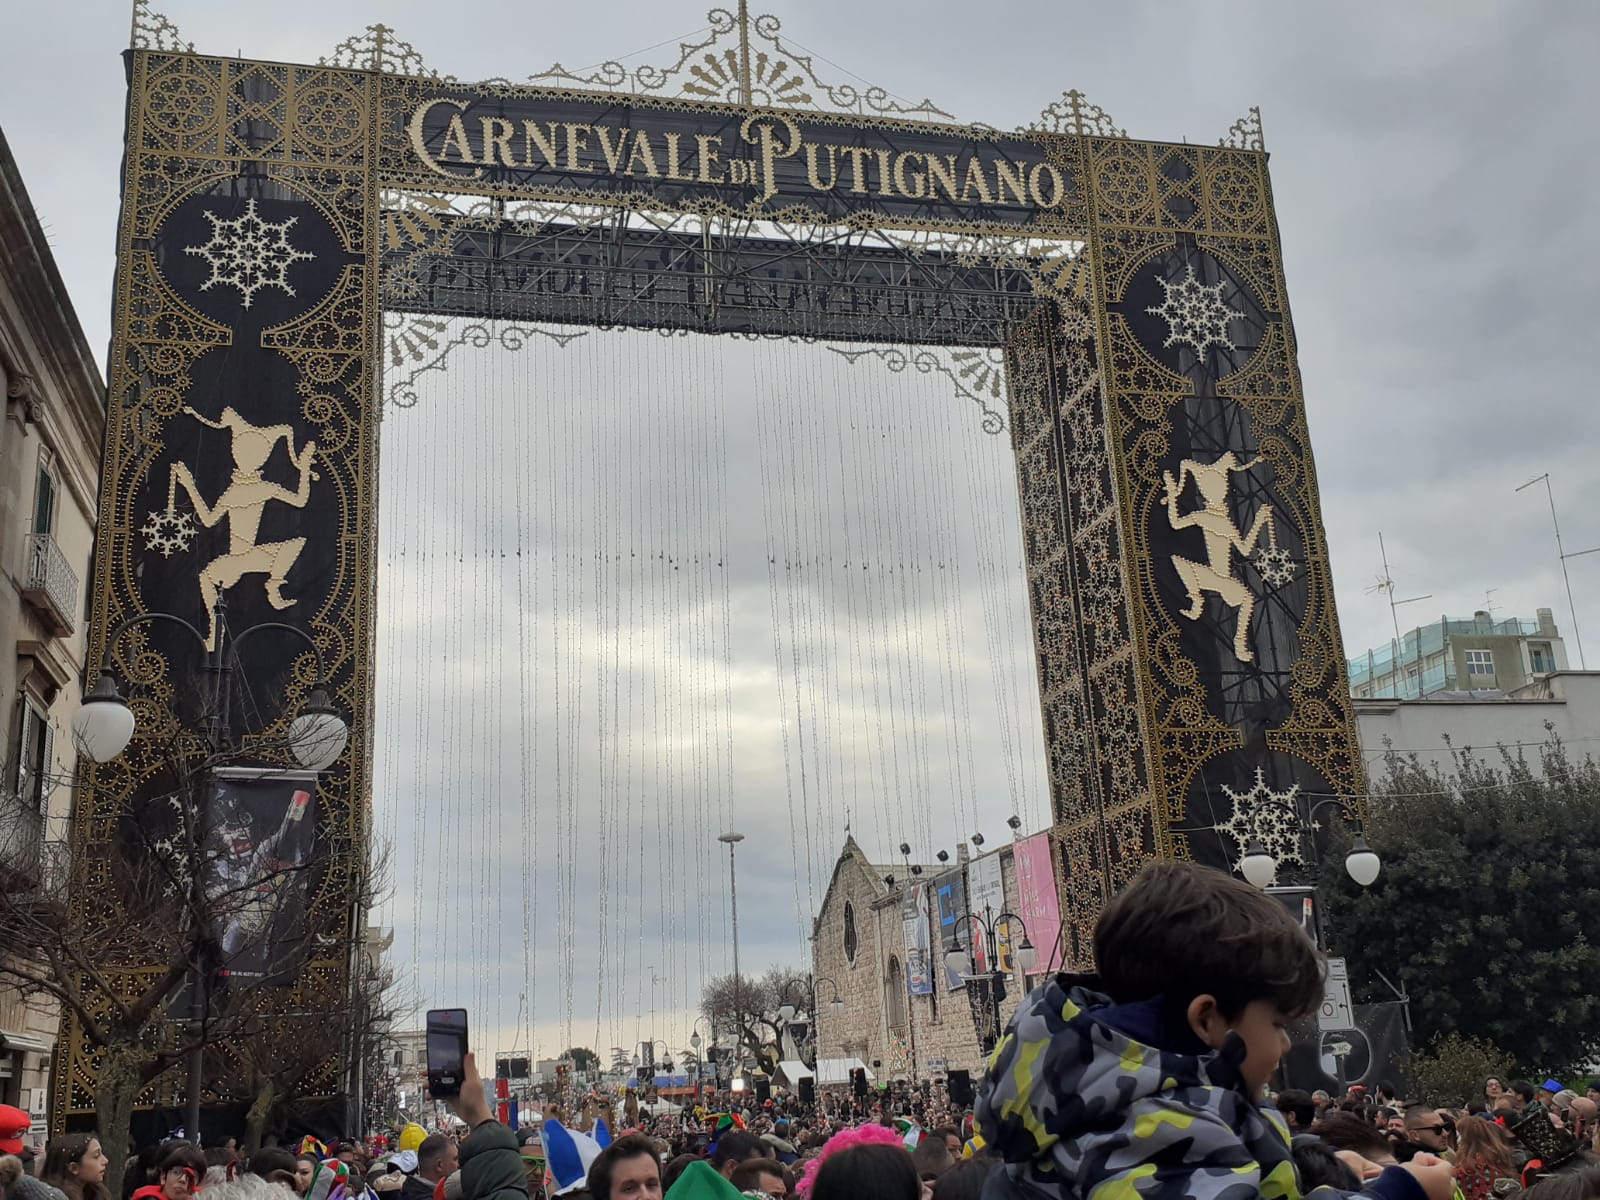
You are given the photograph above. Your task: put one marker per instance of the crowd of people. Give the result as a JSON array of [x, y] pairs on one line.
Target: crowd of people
[[1148, 1081]]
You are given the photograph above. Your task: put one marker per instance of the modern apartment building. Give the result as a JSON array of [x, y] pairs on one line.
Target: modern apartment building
[[1482, 654]]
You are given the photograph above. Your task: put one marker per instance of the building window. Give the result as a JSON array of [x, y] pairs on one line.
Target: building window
[[1480, 662], [849, 932], [895, 986], [44, 500], [31, 774], [1541, 658]]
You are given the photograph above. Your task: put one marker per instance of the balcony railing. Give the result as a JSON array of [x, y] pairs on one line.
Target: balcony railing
[[50, 586]]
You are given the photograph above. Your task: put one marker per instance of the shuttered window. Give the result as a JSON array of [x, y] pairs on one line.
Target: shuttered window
[[35, 751]]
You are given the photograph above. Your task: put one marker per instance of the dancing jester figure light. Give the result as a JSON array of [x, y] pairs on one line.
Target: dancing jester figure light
[[1222, 536], [241, 503]]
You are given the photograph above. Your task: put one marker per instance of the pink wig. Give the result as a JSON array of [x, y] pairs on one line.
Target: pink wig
[[859, 1135]]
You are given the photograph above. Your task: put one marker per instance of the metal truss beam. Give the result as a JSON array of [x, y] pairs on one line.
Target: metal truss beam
[[618, 273]]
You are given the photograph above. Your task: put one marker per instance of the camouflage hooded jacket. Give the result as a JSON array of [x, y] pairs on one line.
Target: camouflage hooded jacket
[[1079, 1110]]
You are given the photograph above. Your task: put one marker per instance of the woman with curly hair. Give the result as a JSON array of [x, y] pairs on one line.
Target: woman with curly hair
[[1483, 1157]]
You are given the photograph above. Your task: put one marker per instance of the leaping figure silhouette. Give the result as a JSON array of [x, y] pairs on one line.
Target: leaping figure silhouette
[[241, 503], [1222, 539]]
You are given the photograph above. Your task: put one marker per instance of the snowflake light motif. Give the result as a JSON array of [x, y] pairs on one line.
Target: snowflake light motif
[[1270, 817], [168, 532], [1195, 313], [249, 253], [1275, 566]]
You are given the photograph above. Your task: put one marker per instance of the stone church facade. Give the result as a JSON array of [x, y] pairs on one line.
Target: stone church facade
[[858, 942]]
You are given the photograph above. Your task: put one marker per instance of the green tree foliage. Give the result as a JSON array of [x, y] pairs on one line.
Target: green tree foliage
[[1454, 1069], [1488, 906], [583, 1059]]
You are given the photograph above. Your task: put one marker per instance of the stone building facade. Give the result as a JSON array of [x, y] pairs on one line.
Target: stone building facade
[[858, 942], [49, 485]]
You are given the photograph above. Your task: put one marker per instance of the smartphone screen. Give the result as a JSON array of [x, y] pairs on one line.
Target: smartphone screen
[[447, 1049]]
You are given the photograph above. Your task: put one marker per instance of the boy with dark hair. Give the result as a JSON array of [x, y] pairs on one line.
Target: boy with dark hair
[[1298, 1109], [736, 1146], [1147, 1083]]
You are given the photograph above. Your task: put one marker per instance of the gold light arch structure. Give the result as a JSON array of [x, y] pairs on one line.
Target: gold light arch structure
[[293, 237]]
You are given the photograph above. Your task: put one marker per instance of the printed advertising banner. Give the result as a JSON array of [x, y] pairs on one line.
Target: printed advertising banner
[[950, 891], [914, 918], [987, 897], [1037, 902], [262, 839]]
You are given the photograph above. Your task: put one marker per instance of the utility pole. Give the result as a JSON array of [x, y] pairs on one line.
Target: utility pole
[[1386, 584], [732, 840], [1562, 554]]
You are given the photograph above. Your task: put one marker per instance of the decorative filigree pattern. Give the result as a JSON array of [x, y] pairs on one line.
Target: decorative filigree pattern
[[1254, 413], [168, 532], [978, 375], [1071, 114], [1270, 817], [1276, 566], [257, 118], [152, 31], [249, 253], [1120, 734], [1195, 313], [1102, 596], [1093, 719], [751, 66], [183, 105], [417, 345], [377, 49], [1245, 133]]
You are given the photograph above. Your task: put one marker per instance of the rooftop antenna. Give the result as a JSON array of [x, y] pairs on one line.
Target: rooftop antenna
[[1386, 584], [1563, 556], [1488, 602]]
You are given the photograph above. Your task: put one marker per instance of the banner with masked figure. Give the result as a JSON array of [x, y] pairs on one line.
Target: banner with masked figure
[[261, 843]]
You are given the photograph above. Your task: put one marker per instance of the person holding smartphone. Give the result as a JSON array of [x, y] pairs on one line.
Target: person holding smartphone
[[491, 1164]]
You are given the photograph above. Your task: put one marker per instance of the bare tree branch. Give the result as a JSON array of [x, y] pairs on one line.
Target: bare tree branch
[[156, 879]]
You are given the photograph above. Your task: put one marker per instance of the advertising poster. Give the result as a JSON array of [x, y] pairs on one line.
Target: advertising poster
[[1038, 903], [261, 835], [987, 898], [914, 919], [949, 892]]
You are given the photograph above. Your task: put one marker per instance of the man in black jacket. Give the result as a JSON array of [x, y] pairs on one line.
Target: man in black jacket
[[436, 1158]]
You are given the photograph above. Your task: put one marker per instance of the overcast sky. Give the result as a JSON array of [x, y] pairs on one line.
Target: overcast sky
[[1433, 176]]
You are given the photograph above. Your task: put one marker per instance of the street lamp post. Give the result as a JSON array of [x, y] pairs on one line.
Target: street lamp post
[[640, 1060], [1259, 867], [788, 1012], [732, 840], [695, 1042], [959, 958], [105, 724]]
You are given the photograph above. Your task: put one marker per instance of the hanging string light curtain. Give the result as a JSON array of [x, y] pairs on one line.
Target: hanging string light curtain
[[574, 543]]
